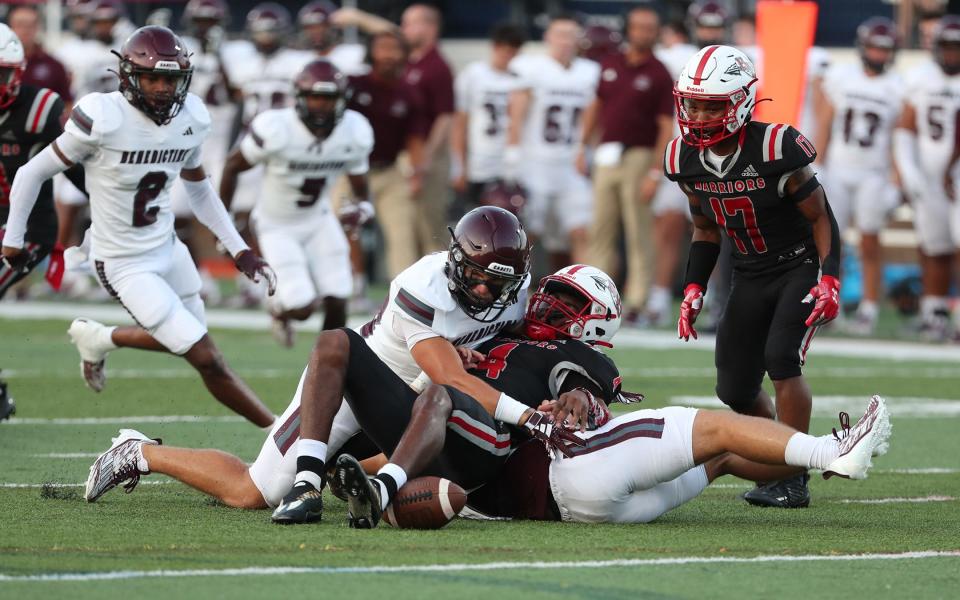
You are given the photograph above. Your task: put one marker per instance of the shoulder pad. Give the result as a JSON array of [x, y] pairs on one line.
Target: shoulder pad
[[360, 129], [671, 157], [40, 109], [778, 142], [269, 129], [197, 110], [426, 282], [96, 115]]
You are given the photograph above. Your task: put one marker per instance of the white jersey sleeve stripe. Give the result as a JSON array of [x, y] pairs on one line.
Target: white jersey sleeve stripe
[[39, 110], [673, 156], [778, 142]]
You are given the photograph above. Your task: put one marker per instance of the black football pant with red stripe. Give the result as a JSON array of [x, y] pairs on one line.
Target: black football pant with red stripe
[[763, 331], [475, 446]]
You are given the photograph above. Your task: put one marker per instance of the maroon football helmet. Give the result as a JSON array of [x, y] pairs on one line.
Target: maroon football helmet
[[508, 195], [158, 51], [317, 12], [708, 21], [946, 44], [599, 42], [488, 246], [209, 10], [268, 17], [877, 32], [321, 78], [315, 26]]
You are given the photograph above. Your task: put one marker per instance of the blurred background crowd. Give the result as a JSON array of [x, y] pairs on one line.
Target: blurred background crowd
[[558, 110]]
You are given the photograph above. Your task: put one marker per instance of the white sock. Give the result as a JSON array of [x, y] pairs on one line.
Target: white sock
[[314, 448], [105, 338], [930, 305], [399, 477], [868, 309], [811, 452], [142, 460]]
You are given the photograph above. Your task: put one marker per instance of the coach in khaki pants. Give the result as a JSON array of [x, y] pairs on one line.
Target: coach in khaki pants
[[632, 116]]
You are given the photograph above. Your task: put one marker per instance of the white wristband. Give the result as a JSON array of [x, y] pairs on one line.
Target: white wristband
[[509, 410]]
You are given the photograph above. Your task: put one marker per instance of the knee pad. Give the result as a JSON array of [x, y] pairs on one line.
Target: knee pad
[[738, 394]]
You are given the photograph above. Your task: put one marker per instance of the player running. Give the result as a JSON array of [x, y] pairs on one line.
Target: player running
[[133, 143], [752, 182], [304, 149]]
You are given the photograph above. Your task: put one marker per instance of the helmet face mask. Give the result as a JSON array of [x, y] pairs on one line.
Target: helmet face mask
[[877, 43], [488, 247], [320, 79], [155, 73], [946, 44], [12, 64], [577, 302]]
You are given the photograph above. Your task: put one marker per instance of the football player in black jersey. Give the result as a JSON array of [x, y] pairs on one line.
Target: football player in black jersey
[[752, 182], [30, 119]]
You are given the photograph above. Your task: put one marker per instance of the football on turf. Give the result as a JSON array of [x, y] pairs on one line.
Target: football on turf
[[425, 503]]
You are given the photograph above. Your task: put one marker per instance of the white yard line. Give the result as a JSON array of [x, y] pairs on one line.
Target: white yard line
[[260, 321], [124, 420], [437, 568], [899, 406], [920, 471], [916, 500], [54, 484], [67, 455]]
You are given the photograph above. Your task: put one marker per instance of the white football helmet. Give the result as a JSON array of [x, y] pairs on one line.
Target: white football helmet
[[578, 302], [12, 63], [715, 74]]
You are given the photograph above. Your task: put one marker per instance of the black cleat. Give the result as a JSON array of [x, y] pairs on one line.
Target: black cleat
[[302, 504], [787, 493], [363, 497], [8, 407]]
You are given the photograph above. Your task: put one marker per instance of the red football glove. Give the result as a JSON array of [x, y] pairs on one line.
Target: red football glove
[[254, 267], [827, 295], [689, 310]]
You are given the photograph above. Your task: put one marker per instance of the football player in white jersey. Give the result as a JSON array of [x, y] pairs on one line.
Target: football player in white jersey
[[321, 26], [859, 109], [462, 297], [478, 135], [133, 143], [261, 71], [304, 149], [923, 143], [543, 136]]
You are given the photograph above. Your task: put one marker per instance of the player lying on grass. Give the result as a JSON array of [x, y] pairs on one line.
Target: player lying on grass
[[415, 450]]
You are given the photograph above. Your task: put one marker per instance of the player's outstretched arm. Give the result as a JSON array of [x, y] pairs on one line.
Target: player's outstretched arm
[[804, 187], [23, 196]]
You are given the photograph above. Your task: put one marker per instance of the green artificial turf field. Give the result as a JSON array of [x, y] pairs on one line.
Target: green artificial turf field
[[54, 543]]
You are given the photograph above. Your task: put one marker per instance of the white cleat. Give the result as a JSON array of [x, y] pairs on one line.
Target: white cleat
[[119, 464], [87, 336], [858, 444], [282, 331]]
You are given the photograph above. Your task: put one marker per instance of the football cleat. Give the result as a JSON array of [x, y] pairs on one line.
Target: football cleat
[[363, 497], [282, 331], [858, 444], [8, 407], [119, 464], [787, 493], [302, 504], [87, 336]]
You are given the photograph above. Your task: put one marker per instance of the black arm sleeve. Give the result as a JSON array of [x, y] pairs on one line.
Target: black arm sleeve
[[76, 176], [831, 265], [700, 263]]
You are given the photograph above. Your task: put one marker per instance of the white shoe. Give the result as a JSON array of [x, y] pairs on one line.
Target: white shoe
[[88, 336], [868, 438], [119, 464], [282, 331]]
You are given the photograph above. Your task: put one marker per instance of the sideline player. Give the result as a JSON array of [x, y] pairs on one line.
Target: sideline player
[[752, 182], [860, 107], [543, 134], [29, 119], [462, 297], [132, 143], [304, 149]]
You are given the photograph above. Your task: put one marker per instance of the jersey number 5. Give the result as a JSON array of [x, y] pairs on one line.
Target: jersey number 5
[[148, 188], [730, 207], [496, 360], [311, 190]]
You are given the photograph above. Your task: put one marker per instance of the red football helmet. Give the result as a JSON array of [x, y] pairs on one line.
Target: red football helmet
[[579, 302], [599, 42], [488, 246], [12, 64], [156, 50], [877, 32], [946, 44], [508, 195], [321, 78]]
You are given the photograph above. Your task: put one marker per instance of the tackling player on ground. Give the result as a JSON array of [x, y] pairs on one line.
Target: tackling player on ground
[[133, 143], [752, 182]]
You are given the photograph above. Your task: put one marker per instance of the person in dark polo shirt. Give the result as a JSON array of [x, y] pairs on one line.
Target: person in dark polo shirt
[[395, 111], [42, 69], [632, 116], [430, 74]]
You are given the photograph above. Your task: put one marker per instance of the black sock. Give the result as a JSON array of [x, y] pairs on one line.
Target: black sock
[[388, 488], [310, 470]]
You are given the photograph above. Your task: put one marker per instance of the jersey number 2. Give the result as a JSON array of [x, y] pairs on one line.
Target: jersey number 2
[[148, 188], [730, 207], [496, 360]]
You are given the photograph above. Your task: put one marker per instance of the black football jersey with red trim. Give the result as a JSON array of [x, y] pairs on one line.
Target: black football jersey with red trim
[[529, 371], [30, 123], [746, 197]]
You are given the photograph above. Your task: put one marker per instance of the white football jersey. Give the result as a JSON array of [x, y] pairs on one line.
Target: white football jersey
[[348, 58], [266, 81], [675, 57], [89, 63], [300, 169], [866, 110], [420, 294], [559, 96], [818, 61], [482, 93], [131, 163], [935, 97]]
